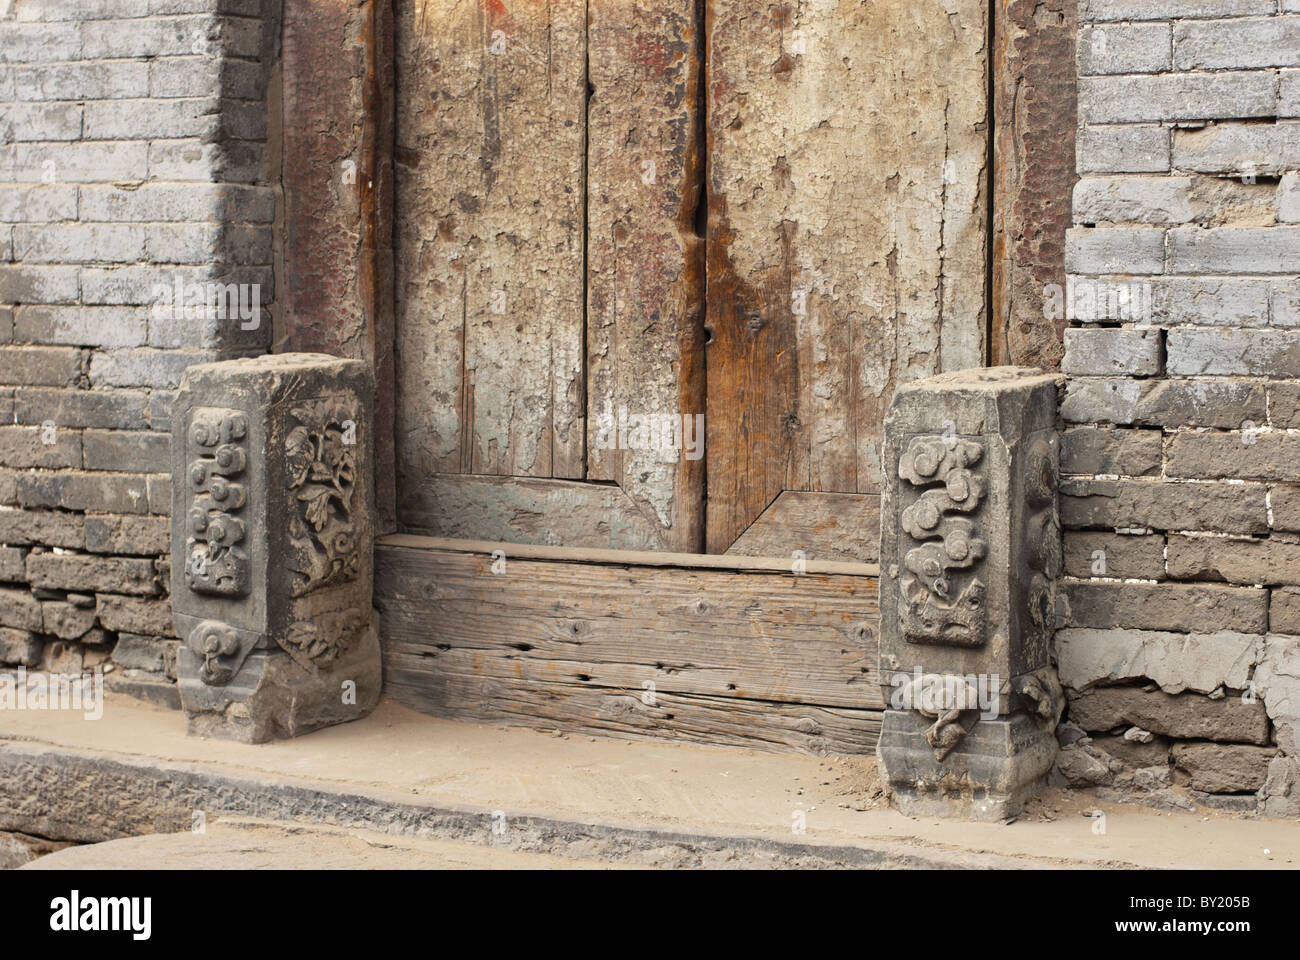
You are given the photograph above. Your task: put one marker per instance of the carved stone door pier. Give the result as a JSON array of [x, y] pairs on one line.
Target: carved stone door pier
[[970, 552], [272, 536]]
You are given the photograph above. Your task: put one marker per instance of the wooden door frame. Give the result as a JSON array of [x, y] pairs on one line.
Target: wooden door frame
[[332, 114], [334, 243]]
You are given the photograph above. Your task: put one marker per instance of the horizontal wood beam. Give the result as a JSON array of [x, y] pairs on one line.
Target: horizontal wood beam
[[624, 644], [640, 558]]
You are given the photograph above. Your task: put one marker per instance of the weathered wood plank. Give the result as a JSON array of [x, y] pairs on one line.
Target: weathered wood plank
[[825, 526], [645, 263], [1035, 109], [489, 153], [523, 510], [777, 727], [555, 627], [335, 293], [627, 558], [757, 636], [846, 248]]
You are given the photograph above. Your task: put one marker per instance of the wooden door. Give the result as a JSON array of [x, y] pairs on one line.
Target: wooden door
[[847, 223], [768, 215]]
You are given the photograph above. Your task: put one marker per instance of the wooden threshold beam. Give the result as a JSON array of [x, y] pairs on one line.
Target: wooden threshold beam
[[634, 558]]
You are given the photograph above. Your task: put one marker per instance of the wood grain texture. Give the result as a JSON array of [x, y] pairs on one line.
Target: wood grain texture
[[629, 558], [825, 526], [645, 264], [1035, 81], [489, 152], [335, 291], [525, 510], [756, 659], [776, 727], [846, 247]]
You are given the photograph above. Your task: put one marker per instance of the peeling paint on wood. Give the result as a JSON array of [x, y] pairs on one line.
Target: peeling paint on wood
[[847, 226], [847, 208], [490, 130], [645, 265]]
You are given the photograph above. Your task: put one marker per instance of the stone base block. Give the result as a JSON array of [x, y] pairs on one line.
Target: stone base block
[[989, 775], [272, 697], [1280, 795], [272, 542]]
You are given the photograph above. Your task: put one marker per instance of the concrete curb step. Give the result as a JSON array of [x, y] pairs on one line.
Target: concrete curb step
[[91, 797]]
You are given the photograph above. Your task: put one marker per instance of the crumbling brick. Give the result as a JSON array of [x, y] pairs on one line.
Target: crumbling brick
[[1184, 716]]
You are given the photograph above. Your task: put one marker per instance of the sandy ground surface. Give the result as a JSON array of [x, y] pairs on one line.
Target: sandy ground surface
[[248, 844], [403, 756]]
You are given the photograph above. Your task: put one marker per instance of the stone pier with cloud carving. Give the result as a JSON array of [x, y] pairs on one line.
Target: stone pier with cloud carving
[[272, 542], [970, 552]]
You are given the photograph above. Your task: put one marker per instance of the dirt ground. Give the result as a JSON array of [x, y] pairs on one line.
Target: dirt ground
[[247, 844], [403, 757]]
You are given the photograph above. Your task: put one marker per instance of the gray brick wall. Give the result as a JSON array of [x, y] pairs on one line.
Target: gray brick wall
[[136, 211], [1182, 447]]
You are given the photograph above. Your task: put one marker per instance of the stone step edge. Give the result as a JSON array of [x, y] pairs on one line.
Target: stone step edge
[[70, 794]]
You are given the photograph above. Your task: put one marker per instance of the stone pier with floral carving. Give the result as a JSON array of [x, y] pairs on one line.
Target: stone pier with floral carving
[[970, 551], [272, 537]]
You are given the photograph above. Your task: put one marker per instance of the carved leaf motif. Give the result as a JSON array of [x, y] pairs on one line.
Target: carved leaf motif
[[317, 498], [322, 473], [298, 456], [347, 470], [311, 416], [317, 645]]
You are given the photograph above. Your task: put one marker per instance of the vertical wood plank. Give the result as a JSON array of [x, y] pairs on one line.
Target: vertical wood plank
[[335, 287], [847, 220], [490, 170], [645, 267], [1035, 82]]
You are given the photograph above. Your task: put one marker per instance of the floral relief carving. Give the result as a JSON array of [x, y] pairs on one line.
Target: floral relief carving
[[219, 646], [321, 465], [318, 643]]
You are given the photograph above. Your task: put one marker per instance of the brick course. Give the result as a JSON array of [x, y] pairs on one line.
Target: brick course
[[133, 168], [1182, 496]]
